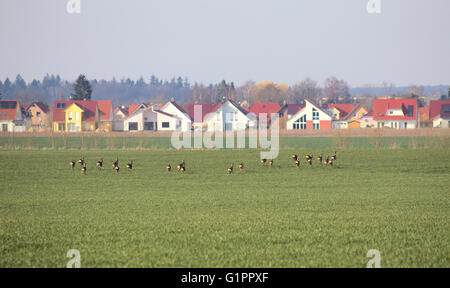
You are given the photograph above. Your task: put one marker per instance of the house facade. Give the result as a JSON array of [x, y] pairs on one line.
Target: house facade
[[395, 113], [150, 119], [39, 118], [310, 117], [173, 108], [77, 116], [141, 120], [12, 118], [440, 113], [229, 116]]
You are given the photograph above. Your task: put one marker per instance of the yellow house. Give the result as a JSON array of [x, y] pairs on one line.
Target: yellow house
[[357, 114], [75, 116]]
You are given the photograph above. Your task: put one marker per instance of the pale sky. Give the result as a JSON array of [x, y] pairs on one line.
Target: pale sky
[[236, 40]]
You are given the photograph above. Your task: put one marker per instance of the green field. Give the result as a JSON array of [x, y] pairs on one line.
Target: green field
[[394, 200]]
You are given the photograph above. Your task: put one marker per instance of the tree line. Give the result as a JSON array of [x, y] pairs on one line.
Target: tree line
[[155, 90]]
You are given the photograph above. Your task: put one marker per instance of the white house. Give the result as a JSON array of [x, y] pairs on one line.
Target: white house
[[441, 121], [174, 109], [229, 116], [310, 117], [149, 119], [11, 117], [167, 122], [141, 120]]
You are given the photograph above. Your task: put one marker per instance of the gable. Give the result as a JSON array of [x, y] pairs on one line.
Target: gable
[[175, 109]]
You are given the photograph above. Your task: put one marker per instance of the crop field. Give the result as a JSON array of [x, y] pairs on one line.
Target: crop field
[[394, 200]]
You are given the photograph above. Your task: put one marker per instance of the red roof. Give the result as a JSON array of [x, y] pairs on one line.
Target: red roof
[[89, 108], [381, 107], [206, 109], [438, 107], [105, 109], [267, 107], [8, 109]]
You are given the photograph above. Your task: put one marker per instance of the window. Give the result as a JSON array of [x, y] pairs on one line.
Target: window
[[38, 114], [316, 126], [300, 124], [5, 127], [61, 105], [315, 114], [410, 110], [165, 125], [406, 124], [148, 126], [73, 127], [133, 126], [61, 126], [69, 116], [76, 115]]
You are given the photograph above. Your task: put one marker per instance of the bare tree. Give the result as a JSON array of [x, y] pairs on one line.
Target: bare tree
[[336, 90], [305, 89]]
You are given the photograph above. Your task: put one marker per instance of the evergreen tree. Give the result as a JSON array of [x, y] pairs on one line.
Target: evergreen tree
[[82, 89], [221, 91], [179, 83], [19, 83], [7, 86], [141, 82]]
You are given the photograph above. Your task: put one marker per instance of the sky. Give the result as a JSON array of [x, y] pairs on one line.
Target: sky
[[236, 40]]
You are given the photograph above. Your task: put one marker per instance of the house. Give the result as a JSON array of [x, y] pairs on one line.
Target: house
[[345, 114], [141, 120], [310, 117], [440, 113], [105, 110], [367, 121], [229, 116], [395, 113], [12, 118], [39, 115], [119, 115], [173, 108], [287, 111], [265, 108], [203, 110], [150, 119], [76, 116]]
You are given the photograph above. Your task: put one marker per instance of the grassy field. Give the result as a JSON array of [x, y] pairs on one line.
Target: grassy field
[[125, 141], [393, 200]]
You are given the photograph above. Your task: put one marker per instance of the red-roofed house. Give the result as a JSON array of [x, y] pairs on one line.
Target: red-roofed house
[[11, 117], [440, 113], [259, 109], [38, 112], [76, 116], [310, 117], [395, 113]]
